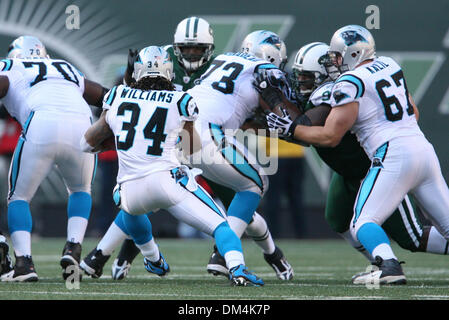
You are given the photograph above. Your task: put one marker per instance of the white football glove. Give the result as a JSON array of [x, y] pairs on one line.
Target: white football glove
[[282, 124]]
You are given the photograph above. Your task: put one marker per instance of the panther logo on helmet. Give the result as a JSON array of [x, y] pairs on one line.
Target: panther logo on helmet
[[352, 37]]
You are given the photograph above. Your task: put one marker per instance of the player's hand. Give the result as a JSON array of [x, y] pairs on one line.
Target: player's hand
[[265, 78], [282, 124], [132, 56]]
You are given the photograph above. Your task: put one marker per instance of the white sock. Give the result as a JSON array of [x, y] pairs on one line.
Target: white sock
[[111, 240], [150, 250], [384, 251], [258, 231], [76, 228], [21, 242], [237, 225], [356, 245], [234, 258], [436, 242]]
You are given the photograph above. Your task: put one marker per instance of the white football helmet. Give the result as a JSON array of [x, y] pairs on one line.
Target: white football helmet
[[153, 62], [26, 47], [308, 70], [350, 46], [193, 33], [266, 45]]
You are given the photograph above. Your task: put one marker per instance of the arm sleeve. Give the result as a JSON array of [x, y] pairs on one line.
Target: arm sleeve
[[187, 108], [347, 88], [109, 97]]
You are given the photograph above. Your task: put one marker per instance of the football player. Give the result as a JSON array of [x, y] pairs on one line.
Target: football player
[[50, 98], [194, 33], [350, 163], [228, 98], [371, 99], [146, 120]]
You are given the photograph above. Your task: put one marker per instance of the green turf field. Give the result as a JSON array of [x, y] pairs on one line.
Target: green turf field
[[323, 269]]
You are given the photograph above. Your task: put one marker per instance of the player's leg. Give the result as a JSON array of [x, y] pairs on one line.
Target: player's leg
[[339, 209], [199, 210], [229, 164], [381, 192], [78, 170], [404, 225], [30, 164], [433, 193]]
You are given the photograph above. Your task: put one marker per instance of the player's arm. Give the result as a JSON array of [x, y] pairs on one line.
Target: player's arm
[[94, 93], [415, 108], [98, 137], [4, 86], [190, 139], [188, 113], [338, 122]]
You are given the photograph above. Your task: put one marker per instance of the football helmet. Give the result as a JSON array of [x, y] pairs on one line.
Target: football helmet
[[266, 45], [350, 46], [193, 43], [153, 62], [308, 70], [26, 47]]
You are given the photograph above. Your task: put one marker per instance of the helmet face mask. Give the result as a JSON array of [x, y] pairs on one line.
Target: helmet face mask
[[193, 43], [308, 70], [153, 62], [334, 65], [266, 45], [27, 47]]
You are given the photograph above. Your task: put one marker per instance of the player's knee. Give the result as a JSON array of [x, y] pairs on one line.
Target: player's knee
[[18, 197]]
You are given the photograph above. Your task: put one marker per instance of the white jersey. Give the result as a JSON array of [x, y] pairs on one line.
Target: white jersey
[[322, 94], [48, 85], [225, 95], [146, 125], [385, 111]]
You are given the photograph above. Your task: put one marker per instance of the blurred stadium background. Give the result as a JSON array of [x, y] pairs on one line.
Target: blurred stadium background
[[414, 33]]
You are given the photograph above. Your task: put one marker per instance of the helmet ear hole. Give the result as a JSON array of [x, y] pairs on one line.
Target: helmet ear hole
[[354, 54]]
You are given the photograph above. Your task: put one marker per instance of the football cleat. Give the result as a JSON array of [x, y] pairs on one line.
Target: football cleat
[[93, 264], [217, 264], [240, 276], [384, 272], [120, 269], [5, 259], [277, 261], [71, 256], [23, 271], [160, 267]]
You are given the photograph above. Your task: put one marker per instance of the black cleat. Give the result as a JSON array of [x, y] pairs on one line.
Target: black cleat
[[93, 264], [382, 272], [277, 261], [5, 259], [23, 271], [71, 255], [217, 264]]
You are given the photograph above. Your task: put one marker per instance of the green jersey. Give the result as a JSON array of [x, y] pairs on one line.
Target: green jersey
[[348, 158], [183, 81]]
